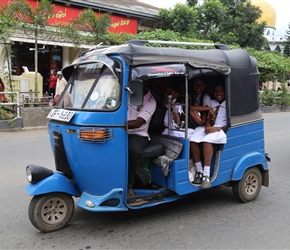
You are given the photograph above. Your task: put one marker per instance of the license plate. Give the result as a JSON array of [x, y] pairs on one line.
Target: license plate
[[61, 115]]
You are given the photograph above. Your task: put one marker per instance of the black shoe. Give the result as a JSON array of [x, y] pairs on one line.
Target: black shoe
[[198, 178]]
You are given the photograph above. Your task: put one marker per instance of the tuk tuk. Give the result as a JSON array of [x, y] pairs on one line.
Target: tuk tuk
[[89, 136]]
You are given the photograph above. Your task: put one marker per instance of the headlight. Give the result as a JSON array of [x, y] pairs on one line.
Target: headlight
[[28, 174], [36, 173]]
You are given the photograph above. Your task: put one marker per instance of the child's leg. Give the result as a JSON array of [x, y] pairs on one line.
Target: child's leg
[[208, 152], [195, 152]]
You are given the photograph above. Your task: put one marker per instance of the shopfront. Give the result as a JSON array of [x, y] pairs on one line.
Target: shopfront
[[51, 54]]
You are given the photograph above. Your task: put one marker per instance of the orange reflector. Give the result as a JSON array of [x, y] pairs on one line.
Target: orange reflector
[[92, 135], [95, 135]]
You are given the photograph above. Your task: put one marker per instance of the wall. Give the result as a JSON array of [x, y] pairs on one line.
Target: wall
[[34, 117]]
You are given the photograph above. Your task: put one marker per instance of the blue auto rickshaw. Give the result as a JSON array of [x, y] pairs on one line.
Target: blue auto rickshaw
[[89, 139]]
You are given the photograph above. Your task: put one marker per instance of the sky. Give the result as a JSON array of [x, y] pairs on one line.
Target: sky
[[282, 8]]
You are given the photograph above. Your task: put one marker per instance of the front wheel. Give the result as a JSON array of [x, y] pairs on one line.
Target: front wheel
[[51, 212], [248, 188]]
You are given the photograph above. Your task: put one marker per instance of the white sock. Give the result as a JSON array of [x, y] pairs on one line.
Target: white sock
[[206, 171], [198, 167]]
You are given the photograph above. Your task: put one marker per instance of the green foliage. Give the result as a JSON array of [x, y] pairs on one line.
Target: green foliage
[[210, 16], [286, 51], [70, 31], [222, 21], [7, 25], [5, 114], [277, 49], [272, 66], [283, 97], [115, 39], [21, 10], [182, 19], [287, 44], [169, 35], [270, 97], [267, 97], [192, 3], [88, 21], [87, 28]]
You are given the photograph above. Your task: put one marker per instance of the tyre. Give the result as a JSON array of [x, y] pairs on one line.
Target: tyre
[[51, 212], [248, 188]]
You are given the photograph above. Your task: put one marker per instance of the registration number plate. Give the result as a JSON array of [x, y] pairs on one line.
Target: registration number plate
[[61, 115]]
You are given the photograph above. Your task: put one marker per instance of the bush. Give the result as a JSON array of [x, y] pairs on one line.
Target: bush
[[270, 97], [283, 97]]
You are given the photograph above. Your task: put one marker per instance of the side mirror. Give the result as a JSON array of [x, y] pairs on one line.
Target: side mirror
[[136, 92]]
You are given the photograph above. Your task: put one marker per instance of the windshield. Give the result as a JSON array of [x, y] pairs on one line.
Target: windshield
[[92, 86]]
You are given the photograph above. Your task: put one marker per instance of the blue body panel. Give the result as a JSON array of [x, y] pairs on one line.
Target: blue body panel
[[244, 149], [54, 183]]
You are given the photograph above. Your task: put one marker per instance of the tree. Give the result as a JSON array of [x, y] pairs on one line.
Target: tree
[[287, 43], [88, 21], [7, 25], [277, 49], [211, 14], [241, 20], [182, 19], [224, 21], [286, 51], [192, 3], [34, 20]]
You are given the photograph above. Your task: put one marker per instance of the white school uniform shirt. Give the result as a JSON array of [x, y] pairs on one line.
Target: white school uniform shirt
[[218, 137], [177, 108], [206, 100], [145, 111], [221, 119]]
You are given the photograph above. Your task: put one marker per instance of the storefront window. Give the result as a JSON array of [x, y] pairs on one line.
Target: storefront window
[[49, 58]]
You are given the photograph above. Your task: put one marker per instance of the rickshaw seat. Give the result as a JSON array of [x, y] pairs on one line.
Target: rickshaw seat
[[153, 151]]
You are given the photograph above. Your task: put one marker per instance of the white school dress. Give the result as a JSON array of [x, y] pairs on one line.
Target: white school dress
[[218, 137]]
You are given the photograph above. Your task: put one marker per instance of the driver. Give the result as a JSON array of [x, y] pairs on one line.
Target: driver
[[139, 118]]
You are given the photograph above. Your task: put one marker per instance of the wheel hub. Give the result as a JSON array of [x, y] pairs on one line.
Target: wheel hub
[[53, 210], [251, 184]]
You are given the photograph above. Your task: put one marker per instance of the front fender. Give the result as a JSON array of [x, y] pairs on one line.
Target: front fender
[[54, 183], [246, 161]]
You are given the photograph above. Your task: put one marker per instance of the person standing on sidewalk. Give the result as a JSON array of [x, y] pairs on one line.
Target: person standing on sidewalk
[[52, 83]]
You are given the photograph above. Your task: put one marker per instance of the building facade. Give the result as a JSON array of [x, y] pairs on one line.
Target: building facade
[[54, 52]]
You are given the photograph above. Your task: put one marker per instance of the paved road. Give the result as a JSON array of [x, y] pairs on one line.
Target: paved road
[[210, 219]]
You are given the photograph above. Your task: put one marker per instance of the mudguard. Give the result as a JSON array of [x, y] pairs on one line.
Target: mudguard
[[54, 183], [248, 160]]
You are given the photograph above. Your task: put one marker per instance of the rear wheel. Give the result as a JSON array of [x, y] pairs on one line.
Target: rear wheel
[[248, 188], [51, 212]]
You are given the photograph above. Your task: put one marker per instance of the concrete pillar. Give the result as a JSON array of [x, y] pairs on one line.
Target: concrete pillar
[[65, 56], [2, 56]]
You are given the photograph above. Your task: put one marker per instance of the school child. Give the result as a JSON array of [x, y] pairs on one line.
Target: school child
[[198, 98], [172, 122], [207, 135]]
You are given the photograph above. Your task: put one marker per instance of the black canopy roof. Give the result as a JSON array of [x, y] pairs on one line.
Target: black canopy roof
[[241, 69]]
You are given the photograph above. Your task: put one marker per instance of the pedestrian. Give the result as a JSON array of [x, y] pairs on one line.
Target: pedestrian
[[60, 84], [3, 98], [52, 83]]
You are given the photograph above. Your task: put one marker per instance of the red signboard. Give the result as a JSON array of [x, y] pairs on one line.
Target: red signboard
[[63, 14]]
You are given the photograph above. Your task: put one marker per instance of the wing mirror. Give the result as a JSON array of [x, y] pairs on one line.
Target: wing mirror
[[136, 91]]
